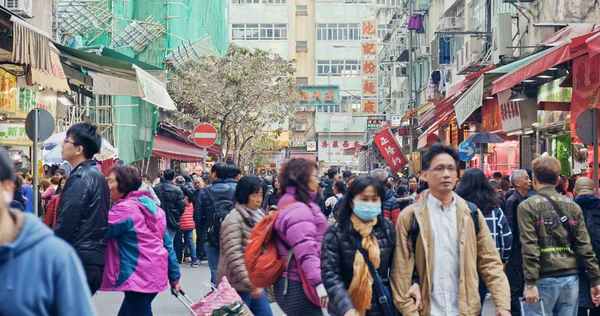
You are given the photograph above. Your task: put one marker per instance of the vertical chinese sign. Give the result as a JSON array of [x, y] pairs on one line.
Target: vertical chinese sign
[[390, 150], [8, 93], [369, 66]]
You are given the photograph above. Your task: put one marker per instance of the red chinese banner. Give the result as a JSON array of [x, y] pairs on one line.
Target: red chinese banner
[[369, 48], [390, 150], [491, 120], [369, 67], [368, 28], [369, 87]]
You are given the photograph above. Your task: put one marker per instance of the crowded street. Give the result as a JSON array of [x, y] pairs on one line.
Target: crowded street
[[299, 157]]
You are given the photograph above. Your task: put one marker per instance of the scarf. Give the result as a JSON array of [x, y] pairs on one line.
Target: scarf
[[361, 287], [255, 215]]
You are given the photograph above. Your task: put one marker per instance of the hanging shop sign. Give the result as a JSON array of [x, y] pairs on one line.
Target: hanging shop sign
[[509, 112], [552, 118], [153, 90], [320, 95], [53, 78], [369, 105], [469, 102], [553, 92], [13, 133], [30, 97], [390, 150], [369, 67], [298, 141], [368, 29], [491, 119], [311, 145], [8, 93], [337, 144]]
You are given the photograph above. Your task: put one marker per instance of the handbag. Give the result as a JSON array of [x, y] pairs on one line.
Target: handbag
[[221, 297], [384, 295]]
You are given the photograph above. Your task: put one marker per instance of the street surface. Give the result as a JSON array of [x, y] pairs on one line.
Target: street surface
[[192, 282]]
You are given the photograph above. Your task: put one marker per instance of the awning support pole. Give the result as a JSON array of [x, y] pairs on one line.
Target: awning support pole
[[595, 140]]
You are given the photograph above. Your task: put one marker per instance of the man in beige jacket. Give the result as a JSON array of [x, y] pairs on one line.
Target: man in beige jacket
[[449, 254]]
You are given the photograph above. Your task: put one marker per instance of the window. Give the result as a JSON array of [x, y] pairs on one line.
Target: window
[[351, 104], [338, 32], [344, 68], [301, 80], [383, 30], [244, 1], [357, 1], [388, 2], [302, 46], [253, 32], [301, 10], [274, 1]]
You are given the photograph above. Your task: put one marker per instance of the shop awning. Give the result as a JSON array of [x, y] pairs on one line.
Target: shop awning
[[569, 32], [531, 66], [56, 79], [593, 45], [429, 137], [31, 46], [173, 149]]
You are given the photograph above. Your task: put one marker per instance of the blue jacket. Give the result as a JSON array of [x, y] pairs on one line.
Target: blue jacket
[[231, 182], [590, 208], [42, 275], [204, 209], [28, 193]]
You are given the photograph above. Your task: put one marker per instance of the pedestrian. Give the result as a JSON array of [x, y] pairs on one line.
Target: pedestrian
[[391, 208], [590, 207], [198, 221], [48, 188], [332, 177], [235, 232], [172, 201], [234, 173], [274, 197], [219, 193], [563, 186], [345, 269], [187, 222], [82, 215], [554, 239], [41, 274], [18, 201], [27, 191], [476, 188], [139, 257], [300, 228], [459, 246], [339, 189], [514, 268], [147, 187], [50, 215]]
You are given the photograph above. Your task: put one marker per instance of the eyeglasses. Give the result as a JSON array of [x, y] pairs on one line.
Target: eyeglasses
[[439, 170], [69, 142]]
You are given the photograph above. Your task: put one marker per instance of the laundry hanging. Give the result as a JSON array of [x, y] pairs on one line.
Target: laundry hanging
[[415, 23]]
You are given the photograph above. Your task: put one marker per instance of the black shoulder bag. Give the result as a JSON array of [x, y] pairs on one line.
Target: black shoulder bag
[[564, 220], [384, 295]]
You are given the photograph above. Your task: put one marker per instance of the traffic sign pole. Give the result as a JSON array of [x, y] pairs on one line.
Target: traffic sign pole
[[595, 139], [36, 136], [204, 160]]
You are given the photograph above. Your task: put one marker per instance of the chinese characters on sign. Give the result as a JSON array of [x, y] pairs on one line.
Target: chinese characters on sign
[[491, 120], [469, 102], [509, 112], [369, 48], [369, 106], [13, 133], [319, 95], [337, 144], [369, 67], [368, 29], [390, 150], [369, 87], [8, 93]]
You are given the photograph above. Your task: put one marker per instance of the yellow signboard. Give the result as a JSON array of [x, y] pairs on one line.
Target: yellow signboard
[[8, 93]]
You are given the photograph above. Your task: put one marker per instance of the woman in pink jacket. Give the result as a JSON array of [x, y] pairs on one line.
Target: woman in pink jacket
[[300, 226], [140, 260]]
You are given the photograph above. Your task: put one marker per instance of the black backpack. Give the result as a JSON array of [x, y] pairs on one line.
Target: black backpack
[[414, 230], [223, 204]]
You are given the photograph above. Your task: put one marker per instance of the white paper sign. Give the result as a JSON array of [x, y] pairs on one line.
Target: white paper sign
[[469, 102], [153, 91], [511, 116]]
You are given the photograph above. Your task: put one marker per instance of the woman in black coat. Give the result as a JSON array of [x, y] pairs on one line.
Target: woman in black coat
[[346, 276]]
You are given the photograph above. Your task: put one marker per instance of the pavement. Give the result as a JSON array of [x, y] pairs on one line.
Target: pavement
[[194, 281]]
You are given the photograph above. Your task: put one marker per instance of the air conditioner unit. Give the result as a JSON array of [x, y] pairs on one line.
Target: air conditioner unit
[[451, 24], [469, 54], [300, 127], [423, 52], [23, 8]]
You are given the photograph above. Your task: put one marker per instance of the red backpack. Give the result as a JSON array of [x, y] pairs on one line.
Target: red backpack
[[261, 258]]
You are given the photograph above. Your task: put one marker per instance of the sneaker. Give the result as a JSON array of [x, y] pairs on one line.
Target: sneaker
[[488, 296]]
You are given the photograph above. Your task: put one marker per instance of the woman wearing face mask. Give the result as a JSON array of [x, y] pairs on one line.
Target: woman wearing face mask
[[300, 227], [235, 232], [345, 271]]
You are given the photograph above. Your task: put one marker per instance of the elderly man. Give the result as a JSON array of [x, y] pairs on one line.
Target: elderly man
[[448, 251], [391, 208], [554, 240], [514, 270], [590, 206]]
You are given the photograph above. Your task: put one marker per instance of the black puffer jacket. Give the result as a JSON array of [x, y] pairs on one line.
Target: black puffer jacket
[[82, 215], [172, 201], [337, 259], [204, 209]]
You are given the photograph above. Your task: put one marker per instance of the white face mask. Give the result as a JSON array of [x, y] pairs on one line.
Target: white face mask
[[7, 197]]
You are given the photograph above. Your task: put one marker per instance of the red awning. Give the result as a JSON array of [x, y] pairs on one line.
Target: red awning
[[570, 32], [429, 137], [550, 58], [173, 149], [593, 45]]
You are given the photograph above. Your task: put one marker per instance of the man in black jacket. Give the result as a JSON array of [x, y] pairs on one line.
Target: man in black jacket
[[82, 218], [391, 207], [234, 175], [332, 175], [172, 201], [204, 212]]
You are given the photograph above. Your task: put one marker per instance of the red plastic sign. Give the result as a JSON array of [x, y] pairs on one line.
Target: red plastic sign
[[205, 135], [390, 150]]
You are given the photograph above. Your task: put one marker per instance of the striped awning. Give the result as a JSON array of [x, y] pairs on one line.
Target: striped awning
[[31, 46]]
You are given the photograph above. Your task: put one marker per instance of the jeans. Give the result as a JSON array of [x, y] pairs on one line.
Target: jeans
[[178, 246], [200, 242], [258, 306], [171, 233], [189, 240], [213, 261], [560, 296], [137, 304]]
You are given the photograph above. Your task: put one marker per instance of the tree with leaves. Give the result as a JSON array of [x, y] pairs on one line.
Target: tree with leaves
[[241, 94]]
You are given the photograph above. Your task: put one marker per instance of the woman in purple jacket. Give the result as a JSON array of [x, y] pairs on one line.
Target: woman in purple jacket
[[140, 260], [300, 227]]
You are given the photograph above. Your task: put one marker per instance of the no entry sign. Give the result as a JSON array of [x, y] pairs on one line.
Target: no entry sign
[[205, 135]]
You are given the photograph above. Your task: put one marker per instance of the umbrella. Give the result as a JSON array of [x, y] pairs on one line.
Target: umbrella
[[484, 138], [55, 139], [54, 155]]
